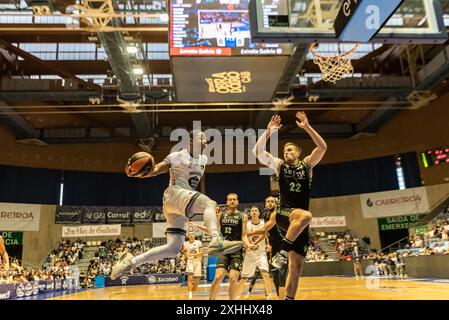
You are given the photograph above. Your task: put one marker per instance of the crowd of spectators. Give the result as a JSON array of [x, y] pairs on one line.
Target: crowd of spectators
[[342, 244], [316, 254], [110, 251], [68, 253], [56, 265], [434, 240], [388, 265]]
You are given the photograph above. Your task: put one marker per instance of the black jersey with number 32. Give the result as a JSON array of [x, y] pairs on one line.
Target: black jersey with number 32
[[294, 186], [231, 225]]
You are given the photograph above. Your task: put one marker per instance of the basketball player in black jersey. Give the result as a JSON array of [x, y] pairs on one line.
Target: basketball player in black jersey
[[292, 216], [275, 240], [231, 223]]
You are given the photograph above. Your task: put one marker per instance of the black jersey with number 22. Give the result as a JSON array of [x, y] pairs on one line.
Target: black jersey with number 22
[[294, 186]]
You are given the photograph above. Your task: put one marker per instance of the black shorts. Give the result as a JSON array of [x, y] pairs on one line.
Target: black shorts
[[279, 278], [231, 261], [301, 244]]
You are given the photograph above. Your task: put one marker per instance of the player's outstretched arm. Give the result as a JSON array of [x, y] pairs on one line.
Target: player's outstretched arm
[[159, 168], [317, 154], [259, 150]]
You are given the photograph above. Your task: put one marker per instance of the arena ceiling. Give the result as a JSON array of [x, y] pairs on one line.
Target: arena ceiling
[[60, 83]]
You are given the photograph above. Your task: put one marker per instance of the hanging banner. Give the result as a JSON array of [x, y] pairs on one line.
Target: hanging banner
[[394, 203], [120, 215], [19, 217], [105, 214], [92, 231], [93, 215], [158, 214], [144, 215], [68, 214], [326, 222], [125, 215]]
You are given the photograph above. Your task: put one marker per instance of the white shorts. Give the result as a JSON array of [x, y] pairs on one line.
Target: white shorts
[[194, 267], [253, 260], [178, 200]]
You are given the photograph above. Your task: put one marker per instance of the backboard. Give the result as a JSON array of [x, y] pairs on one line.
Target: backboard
[[305, 21]]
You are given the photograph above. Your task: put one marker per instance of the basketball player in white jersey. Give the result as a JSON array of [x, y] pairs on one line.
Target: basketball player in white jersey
[[180, 201], [193, 250], [256, 257]]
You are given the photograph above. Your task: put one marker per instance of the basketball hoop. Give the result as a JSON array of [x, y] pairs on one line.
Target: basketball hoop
[[334, 68]]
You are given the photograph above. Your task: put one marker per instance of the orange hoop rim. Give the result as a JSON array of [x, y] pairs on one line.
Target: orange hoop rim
[[314, 45]]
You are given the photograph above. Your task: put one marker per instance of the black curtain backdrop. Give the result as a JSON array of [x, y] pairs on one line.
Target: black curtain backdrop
[[31, 185], [250, 186]]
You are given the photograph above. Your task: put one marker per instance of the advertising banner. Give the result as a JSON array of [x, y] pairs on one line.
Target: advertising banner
[[19, 217], [394, 203], [68, 214], [144, 279], [105, 215], [12, 238], [323, 222], [7, 291], [93, 215], [143, 215], [121, 215], [91, 230], [26, 289]]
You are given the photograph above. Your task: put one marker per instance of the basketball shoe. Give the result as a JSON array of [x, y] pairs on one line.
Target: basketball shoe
[[219, 246], [124, 264]]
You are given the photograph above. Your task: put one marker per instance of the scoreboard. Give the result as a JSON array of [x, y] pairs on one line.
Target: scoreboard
[[213, 57], [215, 28], [435, 156]]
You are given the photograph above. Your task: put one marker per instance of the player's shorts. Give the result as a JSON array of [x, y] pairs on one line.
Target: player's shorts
[[231, 261], [252, 261], [178, 200], [193, 267], [301, 244]]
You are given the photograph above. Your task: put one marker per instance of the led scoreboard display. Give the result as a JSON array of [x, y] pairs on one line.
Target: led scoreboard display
[[213, 57], [215, 28], [435, 156]]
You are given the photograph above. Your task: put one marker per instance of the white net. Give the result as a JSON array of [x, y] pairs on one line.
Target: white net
[[334, 68]]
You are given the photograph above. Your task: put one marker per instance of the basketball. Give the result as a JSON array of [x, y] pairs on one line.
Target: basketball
[[140, 163]]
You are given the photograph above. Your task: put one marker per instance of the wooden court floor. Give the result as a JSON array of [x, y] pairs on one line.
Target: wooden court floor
[[312, 288]]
